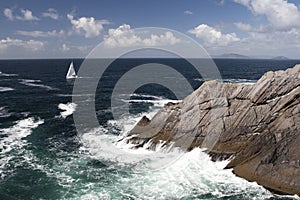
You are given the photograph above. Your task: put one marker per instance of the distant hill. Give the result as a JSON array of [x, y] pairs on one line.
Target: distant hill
[[231, 55], [280, 58]]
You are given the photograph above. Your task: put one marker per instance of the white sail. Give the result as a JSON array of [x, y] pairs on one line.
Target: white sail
[[71, 72]]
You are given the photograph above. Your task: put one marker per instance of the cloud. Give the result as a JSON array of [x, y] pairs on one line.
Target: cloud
[[259, 29], [27, 16], [243, 26], [33, 45], [8, 13], [53, 33], [90, 27], [188, 12], [211, 36], [280, 13], [65, 48], [51, 13], [274, 43], [219, 2], [124, 36], [81, 49], [243, 2]]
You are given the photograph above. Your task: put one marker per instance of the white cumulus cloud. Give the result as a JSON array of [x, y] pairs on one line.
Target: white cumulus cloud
[[280, 13], [124, 36], [8, 13], [51, 13], [33, 45], [89, 26], [53, 33], [212, 36], [27, 16]]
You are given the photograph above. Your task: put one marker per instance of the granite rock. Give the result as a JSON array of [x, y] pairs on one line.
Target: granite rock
[[256, 125]]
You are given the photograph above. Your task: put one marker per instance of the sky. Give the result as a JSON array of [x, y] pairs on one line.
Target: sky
[[70, 29]]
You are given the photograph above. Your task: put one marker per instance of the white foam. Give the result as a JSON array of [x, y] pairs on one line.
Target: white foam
[[146, 96], [13, 139], [5, 89], [185, 175], [236, 81], [14, 134], [157, 103], [36, 83], [182, 175], [5, 74], [69, 109], [127, 122], [163, 173], [73, 95], [101, 145]]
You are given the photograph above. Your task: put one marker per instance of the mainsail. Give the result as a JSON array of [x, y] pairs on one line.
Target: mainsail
[[71, 72]]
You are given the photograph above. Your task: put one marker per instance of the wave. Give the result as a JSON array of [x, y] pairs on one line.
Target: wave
[[166, 173], [12, 141], [5, 74], [4, 112], [236, 81], [36, 83], [182, 176], [69, 109], [146, 96], [138, 173], [192, 175], [157, 101], [13, 135], [74, 95], [5, 89]]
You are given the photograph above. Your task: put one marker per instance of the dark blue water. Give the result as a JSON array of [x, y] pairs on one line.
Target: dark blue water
[[43, 157]]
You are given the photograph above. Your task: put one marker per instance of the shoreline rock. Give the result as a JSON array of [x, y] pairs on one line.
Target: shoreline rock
[[258, 125]]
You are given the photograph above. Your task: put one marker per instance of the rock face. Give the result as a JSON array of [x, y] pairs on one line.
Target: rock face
[[258, 125]]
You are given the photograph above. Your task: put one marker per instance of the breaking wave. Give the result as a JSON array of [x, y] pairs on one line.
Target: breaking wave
[[12, 140], [36, 83], [157, 101], [236, 81], [5, 74], [192, 176], [68, 109], [5, 89]]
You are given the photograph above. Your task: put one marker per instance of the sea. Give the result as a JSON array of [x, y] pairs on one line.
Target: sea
[[42, 156]]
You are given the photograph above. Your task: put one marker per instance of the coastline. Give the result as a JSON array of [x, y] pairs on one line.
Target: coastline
[[255, 124]]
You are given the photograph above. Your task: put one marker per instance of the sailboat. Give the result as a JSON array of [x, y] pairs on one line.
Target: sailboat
[[71, 72]]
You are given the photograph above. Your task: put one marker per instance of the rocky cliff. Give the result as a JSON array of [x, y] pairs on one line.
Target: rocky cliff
[[256, 125]]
